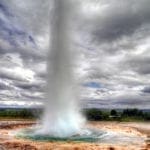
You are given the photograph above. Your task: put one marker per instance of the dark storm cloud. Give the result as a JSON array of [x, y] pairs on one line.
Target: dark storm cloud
[[146, 89], [133, 102], [97, 102], [10, 31], [3, 86], [121, 18], [141, 64], [31, 97], [14, 37], [35, 86], [4, 9], [27, 86], [33, 16], [137, 63]]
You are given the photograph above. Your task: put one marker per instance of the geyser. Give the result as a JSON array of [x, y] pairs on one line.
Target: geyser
[[61, 117], [62, 120]]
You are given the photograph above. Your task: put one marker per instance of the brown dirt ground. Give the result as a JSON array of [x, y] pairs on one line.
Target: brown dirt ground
[[10, 143]]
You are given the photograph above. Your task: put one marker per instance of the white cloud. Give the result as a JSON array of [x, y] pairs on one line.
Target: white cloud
[[111, 44]]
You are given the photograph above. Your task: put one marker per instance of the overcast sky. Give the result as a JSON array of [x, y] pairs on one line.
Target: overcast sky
[[112, 42]]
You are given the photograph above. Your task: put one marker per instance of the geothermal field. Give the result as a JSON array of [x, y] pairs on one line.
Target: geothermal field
[[64, 124], [117, 136]]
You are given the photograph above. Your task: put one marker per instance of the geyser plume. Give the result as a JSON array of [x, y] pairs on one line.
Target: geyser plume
[[61, 117], [62, 120]]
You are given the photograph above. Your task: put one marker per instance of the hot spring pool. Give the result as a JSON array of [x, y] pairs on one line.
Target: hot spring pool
[[87, 135]]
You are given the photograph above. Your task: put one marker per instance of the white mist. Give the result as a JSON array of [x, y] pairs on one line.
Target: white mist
[[61, 117]]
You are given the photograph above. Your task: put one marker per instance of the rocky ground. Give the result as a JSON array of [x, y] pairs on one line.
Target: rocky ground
[[9, 142]]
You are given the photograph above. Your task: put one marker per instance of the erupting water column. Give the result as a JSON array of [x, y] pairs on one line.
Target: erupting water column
[[61, 117]]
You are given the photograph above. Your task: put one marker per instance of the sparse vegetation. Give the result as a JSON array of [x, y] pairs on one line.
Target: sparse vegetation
[[20, 113], [114, 115], [91, 114]]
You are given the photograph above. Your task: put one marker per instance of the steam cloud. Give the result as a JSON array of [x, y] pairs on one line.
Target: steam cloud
[[62, 117]]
